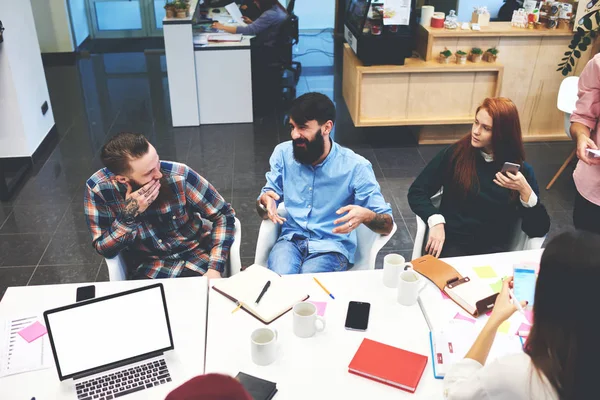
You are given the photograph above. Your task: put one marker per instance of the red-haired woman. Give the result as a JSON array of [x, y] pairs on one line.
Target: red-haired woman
[[480, 204]]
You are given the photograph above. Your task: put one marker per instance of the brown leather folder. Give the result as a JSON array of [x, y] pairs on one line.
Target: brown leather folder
[[447, 279]]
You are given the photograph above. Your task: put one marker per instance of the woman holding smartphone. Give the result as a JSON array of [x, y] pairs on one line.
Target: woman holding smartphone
[[560, 358], [480, 204]]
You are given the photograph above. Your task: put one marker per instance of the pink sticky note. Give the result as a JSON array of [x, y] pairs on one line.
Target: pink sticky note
[[445, 296], [33, 332], [488, 313], [463, 318], [321, 306], [529, 316], [523, 330]]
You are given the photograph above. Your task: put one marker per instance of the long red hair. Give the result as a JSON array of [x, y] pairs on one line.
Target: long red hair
[[507, 145]]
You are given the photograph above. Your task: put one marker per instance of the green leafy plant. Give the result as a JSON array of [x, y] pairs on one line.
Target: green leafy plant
[[493, 51], [446, 53], [461, 53], [182, 5], [580, 42], [476, 51]]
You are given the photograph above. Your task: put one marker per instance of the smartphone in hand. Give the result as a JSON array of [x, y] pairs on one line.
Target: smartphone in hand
[[524, 282], [510, 167]]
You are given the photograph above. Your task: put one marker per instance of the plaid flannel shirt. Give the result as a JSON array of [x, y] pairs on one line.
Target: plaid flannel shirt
[[170, 235]]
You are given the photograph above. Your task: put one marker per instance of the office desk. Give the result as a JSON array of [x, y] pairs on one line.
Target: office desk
[[317, 367], [209, 84], [187, 304]]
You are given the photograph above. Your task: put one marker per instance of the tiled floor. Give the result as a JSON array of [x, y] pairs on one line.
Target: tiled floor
[[43, 235]]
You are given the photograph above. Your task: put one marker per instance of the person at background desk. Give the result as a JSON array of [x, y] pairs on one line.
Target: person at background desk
[[480, 205], [266, 26], [585, 122], [560, 358], [328, 191]]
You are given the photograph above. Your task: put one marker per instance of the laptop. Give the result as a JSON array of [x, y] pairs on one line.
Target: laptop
[[113, 346]]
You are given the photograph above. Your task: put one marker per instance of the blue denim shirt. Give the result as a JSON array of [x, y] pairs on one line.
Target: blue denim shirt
[[312, 195]]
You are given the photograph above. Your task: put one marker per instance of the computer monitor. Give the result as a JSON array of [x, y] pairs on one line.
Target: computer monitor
[[356, 15]]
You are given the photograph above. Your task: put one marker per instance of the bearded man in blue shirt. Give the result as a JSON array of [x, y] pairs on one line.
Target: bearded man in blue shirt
[[328, 191]]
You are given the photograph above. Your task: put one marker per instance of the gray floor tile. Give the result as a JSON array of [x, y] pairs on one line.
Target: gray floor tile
[[71, 248], [47, 275], [14, 276], [22, 249], [102, 273], [74, 218], [34, 219]]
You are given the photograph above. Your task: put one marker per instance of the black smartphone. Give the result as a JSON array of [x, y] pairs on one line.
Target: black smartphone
[[86, 293], [357, 318]]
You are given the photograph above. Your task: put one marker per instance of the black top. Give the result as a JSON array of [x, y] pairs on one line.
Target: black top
[[486, 215]]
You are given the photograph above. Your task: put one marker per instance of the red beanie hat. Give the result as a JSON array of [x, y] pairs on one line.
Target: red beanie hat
[[210, 387]]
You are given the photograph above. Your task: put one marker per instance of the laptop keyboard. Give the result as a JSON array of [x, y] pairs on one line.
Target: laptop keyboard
[[124, 382]]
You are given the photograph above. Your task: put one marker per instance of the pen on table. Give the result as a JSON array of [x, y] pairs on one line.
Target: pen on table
[[239, 305], [262, 293], [516, 302], [323, 287]]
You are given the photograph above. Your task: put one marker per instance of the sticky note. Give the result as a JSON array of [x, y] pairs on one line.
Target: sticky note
[[485, 272], [321, 306], [496, 287], [529, 316], [445, 296], [488, 313], [504, 327], [461, 317], [33, 332], [523, 330]]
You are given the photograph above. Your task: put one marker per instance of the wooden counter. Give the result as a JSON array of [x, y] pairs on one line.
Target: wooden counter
[[441, 98]]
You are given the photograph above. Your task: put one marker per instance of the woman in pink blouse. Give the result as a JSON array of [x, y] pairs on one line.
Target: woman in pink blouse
[[584, 130]]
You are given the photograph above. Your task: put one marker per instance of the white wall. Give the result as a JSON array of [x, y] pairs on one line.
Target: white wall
[[465, 8], [52, 25], [23, 86], [79, 20], [315, 14]]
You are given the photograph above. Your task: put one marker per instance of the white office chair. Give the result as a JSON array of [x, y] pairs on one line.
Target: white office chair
[[117, 270], [520, 240], [567, 98], [368, 242]]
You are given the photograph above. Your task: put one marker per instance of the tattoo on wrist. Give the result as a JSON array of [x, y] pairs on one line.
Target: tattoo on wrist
[[131, 208], [381, 223]]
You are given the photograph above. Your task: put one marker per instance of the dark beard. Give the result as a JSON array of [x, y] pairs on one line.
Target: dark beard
[[165, 193], [313, 151]]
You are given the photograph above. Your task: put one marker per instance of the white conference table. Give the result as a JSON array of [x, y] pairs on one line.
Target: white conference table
[[317, 367], [187, 305]]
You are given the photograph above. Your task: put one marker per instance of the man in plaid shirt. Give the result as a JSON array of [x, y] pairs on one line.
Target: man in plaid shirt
[[156, 210]]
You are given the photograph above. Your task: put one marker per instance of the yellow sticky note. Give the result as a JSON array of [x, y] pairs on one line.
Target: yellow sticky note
[[485, 272], [504, 327], [497, 287]]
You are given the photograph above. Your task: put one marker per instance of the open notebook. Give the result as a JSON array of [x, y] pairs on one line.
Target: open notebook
[[245, 287]]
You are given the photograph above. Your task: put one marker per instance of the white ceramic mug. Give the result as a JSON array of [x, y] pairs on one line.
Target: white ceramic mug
[[392, 265], [306, 321], [263, 346], [410, 285]]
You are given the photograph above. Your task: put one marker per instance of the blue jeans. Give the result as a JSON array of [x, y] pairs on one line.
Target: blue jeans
[[292, 257]]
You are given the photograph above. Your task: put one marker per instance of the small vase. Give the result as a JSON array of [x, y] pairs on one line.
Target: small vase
[[170, 13], [476, 58], [444, 60], [181, 13], [461, 59], [490, 57]]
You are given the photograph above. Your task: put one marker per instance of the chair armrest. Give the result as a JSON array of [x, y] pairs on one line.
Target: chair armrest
[[534, 243], [234, 262], [378, 243], [117, 270], [267, 237], [419, 238]]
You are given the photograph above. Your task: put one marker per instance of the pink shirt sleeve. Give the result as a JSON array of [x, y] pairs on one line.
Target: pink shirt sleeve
[[587, 110]]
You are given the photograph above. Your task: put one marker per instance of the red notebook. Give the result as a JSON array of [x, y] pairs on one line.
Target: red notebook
[[387, 364]]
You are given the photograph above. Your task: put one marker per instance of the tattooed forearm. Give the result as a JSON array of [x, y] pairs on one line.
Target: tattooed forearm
[[381, 223], [131, 208]]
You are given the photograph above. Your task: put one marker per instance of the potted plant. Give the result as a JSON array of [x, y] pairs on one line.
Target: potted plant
[[476, 54], [170, 9], [182, 8], [461, 57], [445, 56], [491, 55]]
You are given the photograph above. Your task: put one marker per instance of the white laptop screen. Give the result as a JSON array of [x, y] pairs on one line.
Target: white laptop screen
[[108, 330]]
